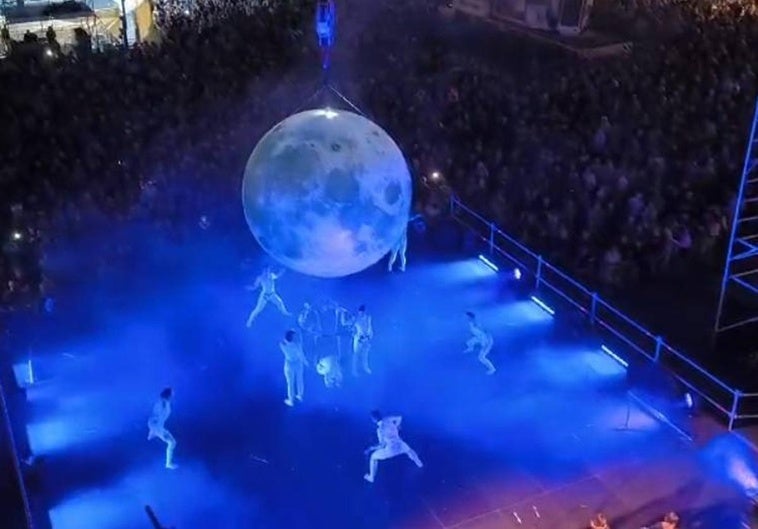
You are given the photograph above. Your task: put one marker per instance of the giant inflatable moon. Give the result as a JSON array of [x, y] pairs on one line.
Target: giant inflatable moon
[[327, 193]]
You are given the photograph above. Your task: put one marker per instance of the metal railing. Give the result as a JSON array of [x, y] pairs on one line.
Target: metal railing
[[16, 459], [729, 402]]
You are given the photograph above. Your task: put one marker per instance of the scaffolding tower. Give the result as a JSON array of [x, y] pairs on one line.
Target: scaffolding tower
[[738, 299]]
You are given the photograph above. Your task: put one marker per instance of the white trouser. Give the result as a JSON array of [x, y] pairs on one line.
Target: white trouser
[[389, 450], [399, 250], [485, 346], [164, 435], [263, 299], [293, 372], [361, 348]]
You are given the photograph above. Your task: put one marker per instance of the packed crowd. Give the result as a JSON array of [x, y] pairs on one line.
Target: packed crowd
[[616, 169], [619, 169]]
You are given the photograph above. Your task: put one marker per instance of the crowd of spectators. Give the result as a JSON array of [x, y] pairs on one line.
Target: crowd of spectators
[[614, 169]]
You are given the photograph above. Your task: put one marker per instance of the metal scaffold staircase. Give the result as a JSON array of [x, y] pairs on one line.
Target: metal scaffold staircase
[[738, 300]]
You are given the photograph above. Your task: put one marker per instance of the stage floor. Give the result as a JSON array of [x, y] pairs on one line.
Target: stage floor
[[540, 444]]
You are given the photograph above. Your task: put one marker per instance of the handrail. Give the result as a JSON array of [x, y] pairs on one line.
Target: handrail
[[16, 461], [730, 409]]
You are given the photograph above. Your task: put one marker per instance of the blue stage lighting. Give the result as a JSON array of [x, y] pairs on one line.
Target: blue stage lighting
[[543, 305], [613, 355], [489, 263], [516, 274]]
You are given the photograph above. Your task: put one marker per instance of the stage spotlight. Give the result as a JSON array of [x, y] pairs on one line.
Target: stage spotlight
[[489, 263], [328, 113], [435, 175], [541, 304], [16, 236], [517, 274], [30, 370], [24, 374], [616, 357]]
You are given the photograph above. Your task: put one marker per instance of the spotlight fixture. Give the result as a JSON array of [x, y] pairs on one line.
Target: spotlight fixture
[[489, 263], [613, 355], [541, 304]]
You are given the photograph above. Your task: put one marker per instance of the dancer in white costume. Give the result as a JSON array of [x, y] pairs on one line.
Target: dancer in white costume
[[480, 338], [337, 327], [309, 322], [329, 367], [294, 364], [401, 248], [390, 444], [363, 334], [156, 425], [267, 283]]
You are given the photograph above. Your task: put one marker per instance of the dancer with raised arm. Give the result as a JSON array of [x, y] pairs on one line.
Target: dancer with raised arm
[[294, 365], [266, 282], [156, 425], [482, 339], [390, 444]]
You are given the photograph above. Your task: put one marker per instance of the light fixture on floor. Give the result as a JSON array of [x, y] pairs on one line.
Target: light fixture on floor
[[541, 304], [489, 263]]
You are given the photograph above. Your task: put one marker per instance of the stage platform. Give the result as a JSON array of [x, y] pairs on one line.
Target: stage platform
[[542, 443]]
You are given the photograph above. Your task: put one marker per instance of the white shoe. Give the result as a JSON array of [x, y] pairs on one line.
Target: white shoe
[[367, 370], [300, 398], [289, 403], [368, 478], [491, 371], [171, 466]]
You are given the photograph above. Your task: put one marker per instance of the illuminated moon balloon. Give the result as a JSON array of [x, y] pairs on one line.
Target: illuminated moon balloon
[[327, 193]]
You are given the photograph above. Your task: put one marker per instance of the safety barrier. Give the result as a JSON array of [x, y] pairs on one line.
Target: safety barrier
[[15, 458], [731, 403]]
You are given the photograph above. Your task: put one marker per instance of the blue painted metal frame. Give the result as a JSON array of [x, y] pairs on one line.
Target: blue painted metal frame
[[747, 248], [719, 395]]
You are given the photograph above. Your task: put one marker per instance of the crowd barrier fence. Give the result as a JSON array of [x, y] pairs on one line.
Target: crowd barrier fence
[[14, 456], [730, 403]]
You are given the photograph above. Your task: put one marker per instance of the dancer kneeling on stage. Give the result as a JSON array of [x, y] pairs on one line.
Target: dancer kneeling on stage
[[390, 444], [482, 339], [329, 367], [156, 425]]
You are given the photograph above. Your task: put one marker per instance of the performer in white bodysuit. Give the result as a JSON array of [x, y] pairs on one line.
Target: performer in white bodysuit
[[481, 338], [390, 444], [156, 425], [363, 334], [267, 283], [309, 322], [329, 367], [400, 249], [294, 364]]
